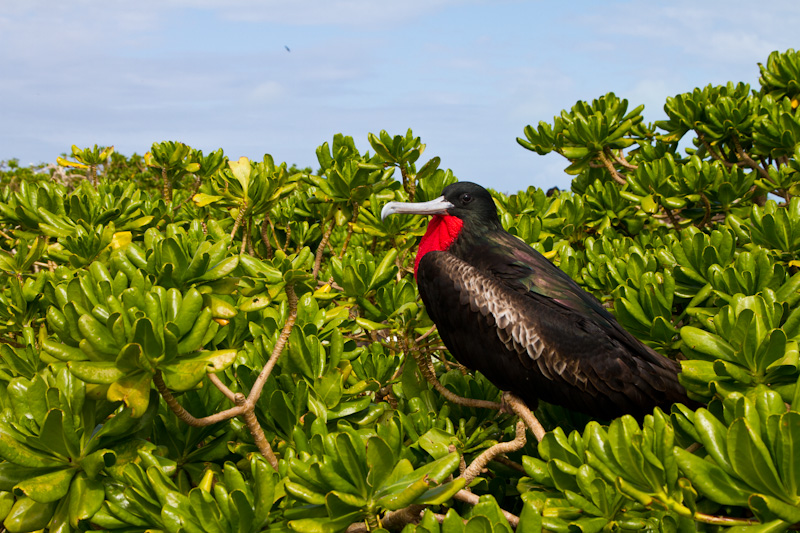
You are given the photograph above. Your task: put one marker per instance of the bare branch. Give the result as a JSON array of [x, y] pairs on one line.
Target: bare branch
[[503, 460], [264, 237], [255, 429], [521, 410], [426, 367], [245, 405], [711, 150], [183, 414], [213, 378], [745, 157], [471, 498], [672, 218], [255, 392], [611, 170], [393, 520], [621, 161], [422, 337], [723, 520], [480, 462], [321, 247], [239, 217], [349, 231]]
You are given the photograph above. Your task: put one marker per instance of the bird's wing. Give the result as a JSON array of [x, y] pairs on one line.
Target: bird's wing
[[523, 269]]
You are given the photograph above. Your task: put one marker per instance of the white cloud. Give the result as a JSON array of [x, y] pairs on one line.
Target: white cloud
[[467, 75], [719, 31]]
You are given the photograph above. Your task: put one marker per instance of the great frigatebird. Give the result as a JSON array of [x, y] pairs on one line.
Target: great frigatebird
[[503, 309]]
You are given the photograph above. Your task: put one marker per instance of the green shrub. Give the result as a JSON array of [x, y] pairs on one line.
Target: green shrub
[[193, 343]]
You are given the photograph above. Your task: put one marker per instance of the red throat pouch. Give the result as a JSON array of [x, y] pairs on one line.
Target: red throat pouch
[[442, 231]]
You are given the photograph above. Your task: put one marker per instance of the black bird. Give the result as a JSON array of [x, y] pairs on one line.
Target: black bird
[[503, 309]]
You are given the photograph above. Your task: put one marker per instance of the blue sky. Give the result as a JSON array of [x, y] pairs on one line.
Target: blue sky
[[466, 76]]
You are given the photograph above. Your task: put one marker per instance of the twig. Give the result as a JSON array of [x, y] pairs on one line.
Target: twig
[[250, 249], [322, 244], [255, 429], [166, 190], [392, 520], [707, 206], [422, 337], [333, 285], [195, 188], [503, 460], [265, 237], [723, 520], [610, 167], [620, 160], [245, 236], [255, 392], [288, 231], [214, 379], [522, 411], [349, 231], [184, 415], [480, 462], [473, 499], [239, 217], [711, 150], [274, 232], [408, 183], [428, 372], [672, 218], [743, 156]]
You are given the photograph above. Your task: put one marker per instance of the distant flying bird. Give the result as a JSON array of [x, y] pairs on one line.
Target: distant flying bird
[[503, 309], [287, 48]]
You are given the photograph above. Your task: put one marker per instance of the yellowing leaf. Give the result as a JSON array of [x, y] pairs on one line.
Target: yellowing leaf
[[241, 171], [105, 154], [121, 238], [64, 163], [134, 390], [202, 199]]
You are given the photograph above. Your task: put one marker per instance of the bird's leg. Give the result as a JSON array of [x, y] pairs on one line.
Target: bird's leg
[[521, 410]]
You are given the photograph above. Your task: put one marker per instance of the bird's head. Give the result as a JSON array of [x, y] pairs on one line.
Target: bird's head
[[461, 205], [467, 201]]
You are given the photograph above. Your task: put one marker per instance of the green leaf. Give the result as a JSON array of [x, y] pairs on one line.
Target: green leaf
[[785, 511], [713, 435], [98, 372], [29, 515], [15, 452], [353, 458], [711, 480], [47, 488], [380, 461], [707, 343], [86, 498], [751, 459]]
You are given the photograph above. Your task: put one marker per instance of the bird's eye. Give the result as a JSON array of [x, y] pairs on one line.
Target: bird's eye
[[466, 198]]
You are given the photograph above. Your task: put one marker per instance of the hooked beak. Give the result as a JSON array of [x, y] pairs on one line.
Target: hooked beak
[[439, 206]]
